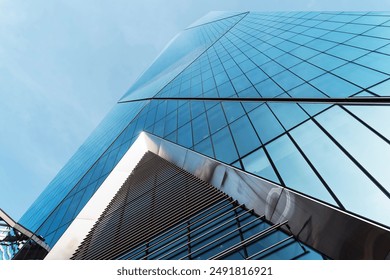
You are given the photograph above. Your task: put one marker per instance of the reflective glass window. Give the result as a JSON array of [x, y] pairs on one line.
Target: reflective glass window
[[289, 114], [268, 88], [205, 147], [256, 75], [184, 135], [346, 52], [370, 151], [244, 135], [306, 71], [184, 115], [200, 128], [226, 90], [368, 43], [375, 116], [334, 86], [233, 110], [355, 191], [326, 62], [360, 75], [240, 83], [295, 171], [265, 123], [304, 52], [216, 118], [224, 146], [287, 80], [258, 163], [376, 61]]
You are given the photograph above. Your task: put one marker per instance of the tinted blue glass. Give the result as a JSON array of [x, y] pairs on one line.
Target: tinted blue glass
[[184, 115], [221, 78], [197, 108], [375, 116], [360, 75], [216, 118], [226, 90], [371, 151], [170, 123], [306, 71], [265, 123], [287, 80], [268, 88], [295, 171], [333, 86], [304, 52], [200, 128], [258, 163], [379, 31], [244, 135], [240, 83], [368, 43], [233, 110], [376, 61], [320, 45], [271, 68], [346, 52], [326, 62], [184, 136], [289, 114], [224, 146], [205, 147], [355, 191]]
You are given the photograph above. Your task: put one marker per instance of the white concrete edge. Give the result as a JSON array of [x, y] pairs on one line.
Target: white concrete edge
[[82, 224]]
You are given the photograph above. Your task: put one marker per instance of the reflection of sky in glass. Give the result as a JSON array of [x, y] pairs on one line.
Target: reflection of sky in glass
[[368, 149], [355, 191]]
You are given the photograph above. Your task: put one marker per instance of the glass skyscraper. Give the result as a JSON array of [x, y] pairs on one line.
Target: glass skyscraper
[[299, 100]]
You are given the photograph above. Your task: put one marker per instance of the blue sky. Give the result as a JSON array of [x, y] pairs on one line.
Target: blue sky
[[64, 64]]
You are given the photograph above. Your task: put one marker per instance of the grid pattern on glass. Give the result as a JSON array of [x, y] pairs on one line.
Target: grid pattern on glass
[[271, 55]]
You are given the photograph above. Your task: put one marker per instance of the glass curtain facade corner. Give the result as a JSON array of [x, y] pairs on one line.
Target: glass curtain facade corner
[[299, 99]]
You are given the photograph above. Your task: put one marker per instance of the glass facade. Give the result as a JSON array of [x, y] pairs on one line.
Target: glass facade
[[298, 98]]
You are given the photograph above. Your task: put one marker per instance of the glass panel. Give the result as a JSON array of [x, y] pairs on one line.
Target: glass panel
[[184, 136], [224, 146], [244, 135], [216, 118], [205, 147], [268, 88], [265, 123], [257, 163], [376, 116], [333, 86], [355, 191], [289, 114], [360, 75], [200, 128], [371, 151], [326, 62], [295, 171], [306, 71], [233, 110]]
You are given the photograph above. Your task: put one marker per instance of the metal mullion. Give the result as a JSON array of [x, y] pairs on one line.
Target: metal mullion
[[325, 184], [175, 227], [250, 240], [201, 226], [366, 125], [136, 237], [227, 234], [206, 233], [270, 247], [384, 191]]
